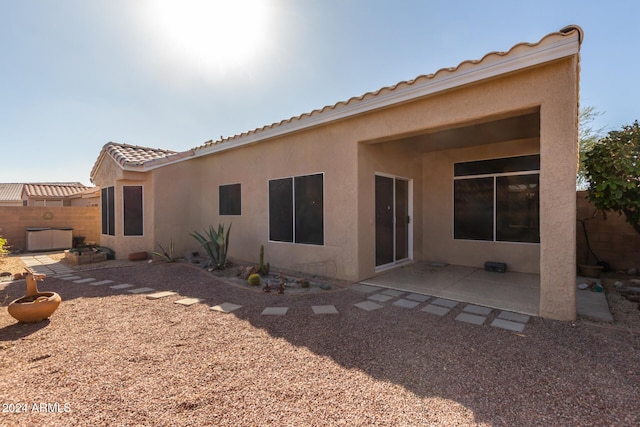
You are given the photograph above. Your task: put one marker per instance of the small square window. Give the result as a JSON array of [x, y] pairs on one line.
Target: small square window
[[230, 199]]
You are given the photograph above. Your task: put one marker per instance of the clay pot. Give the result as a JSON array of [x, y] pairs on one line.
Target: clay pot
[[35, 306]]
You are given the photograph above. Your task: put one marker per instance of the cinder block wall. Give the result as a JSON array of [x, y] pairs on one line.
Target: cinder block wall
[[612, 240], [85, 221]]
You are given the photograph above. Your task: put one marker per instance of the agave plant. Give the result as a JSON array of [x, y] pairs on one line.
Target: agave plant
[[215, 244], [166, 254]]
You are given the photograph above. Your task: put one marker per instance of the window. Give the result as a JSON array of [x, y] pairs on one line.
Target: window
[[229, 199], [497, 200], [108, 211], [132, 206], [296, 209]]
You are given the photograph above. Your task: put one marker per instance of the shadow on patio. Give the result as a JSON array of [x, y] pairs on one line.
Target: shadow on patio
[[511, 291]]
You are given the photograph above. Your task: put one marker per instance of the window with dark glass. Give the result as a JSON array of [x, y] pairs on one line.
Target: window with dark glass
[[296, 209], [502, 204], [229, 197], [107, 211], [132, 206]]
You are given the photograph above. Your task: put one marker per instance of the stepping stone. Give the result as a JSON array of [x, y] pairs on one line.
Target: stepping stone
[[188, 301], [514, 317], [380, 297], [71, 278], [275, 311], [368, 305], [436, 309], [226, 307], [141, 290], [324, 309], [361, 287], [62, 276], [84, 280], [443, 302], [418, 297], [100, 283], [406, 303], [393, 292], [123, 286], [476, 309], [471, 318], [508, 324], [162, 294]]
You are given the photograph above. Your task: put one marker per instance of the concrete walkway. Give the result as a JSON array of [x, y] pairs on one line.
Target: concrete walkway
[[375, 298]]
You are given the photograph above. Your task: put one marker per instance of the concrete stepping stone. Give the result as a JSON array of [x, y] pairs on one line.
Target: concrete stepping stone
[[476, 309], [275, 311], [324, 309], [226, 307], [71, 278], [122, 286], [380, 297], [514, 317], [436, 309], [508, 324], [141, 290], [161, 294], [87, 280], [101, 282], [443, 302], [406, 303], [188, 301], [393, 292], [471, 318], [368, 305], [361, 287], [418, 297]]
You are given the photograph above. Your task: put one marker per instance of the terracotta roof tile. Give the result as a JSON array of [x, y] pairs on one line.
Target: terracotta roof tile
[[126, 154], [53, 189]]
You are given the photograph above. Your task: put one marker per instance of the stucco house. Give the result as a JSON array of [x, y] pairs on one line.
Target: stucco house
[[466, 165], [50, 194]]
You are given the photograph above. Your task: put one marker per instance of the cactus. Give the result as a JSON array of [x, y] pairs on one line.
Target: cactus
[[254, 280], [262, 268]]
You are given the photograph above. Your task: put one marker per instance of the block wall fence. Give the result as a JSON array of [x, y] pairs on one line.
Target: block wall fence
[[85, 221]]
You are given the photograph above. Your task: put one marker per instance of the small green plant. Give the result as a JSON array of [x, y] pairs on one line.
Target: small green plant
[[165, 254], [254, 280], [263, 268], [215, 244]]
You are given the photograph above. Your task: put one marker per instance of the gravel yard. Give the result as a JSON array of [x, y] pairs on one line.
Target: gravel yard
[[113, 358]]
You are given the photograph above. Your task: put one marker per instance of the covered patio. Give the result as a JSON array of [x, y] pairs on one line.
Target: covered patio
[[511, 291]]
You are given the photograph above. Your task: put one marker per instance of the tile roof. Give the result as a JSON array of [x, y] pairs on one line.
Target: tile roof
[[129, 156], [53, 189], [11, 192], [422, 85]]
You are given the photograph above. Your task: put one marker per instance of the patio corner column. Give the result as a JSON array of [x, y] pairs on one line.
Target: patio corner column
[[558, 154]]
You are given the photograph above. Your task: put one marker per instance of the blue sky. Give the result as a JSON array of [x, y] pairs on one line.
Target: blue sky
[[77, 74]]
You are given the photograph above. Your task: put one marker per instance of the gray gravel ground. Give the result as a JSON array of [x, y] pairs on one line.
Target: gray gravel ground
[[112, 358]]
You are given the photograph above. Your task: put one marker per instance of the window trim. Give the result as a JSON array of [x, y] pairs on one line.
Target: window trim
[[293, 191], [495, 189]]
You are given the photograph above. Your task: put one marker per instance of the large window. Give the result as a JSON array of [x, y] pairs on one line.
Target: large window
[[229, 198], [132, 203], [296, 209], [497, 200], [108, 211]]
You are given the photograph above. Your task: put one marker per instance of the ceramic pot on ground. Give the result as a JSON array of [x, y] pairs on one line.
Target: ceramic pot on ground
[[35, 306], [592, 271]]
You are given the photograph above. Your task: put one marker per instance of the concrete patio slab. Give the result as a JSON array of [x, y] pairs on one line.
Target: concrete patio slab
[[436, 309], [508, 325], [593, 305], [275, 311], [405, 303], [380, 297], [476, 309], [226, 307], [324, 309], [471, 318], [188, 301], [368, 305], [161, 294], [514, 317]]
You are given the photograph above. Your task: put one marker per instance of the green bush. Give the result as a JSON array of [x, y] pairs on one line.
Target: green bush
[[3, 247], [254, 280]]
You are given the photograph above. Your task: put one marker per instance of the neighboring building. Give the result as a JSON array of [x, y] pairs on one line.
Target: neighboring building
[[49, 194], [466, 165], [11, 194]]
